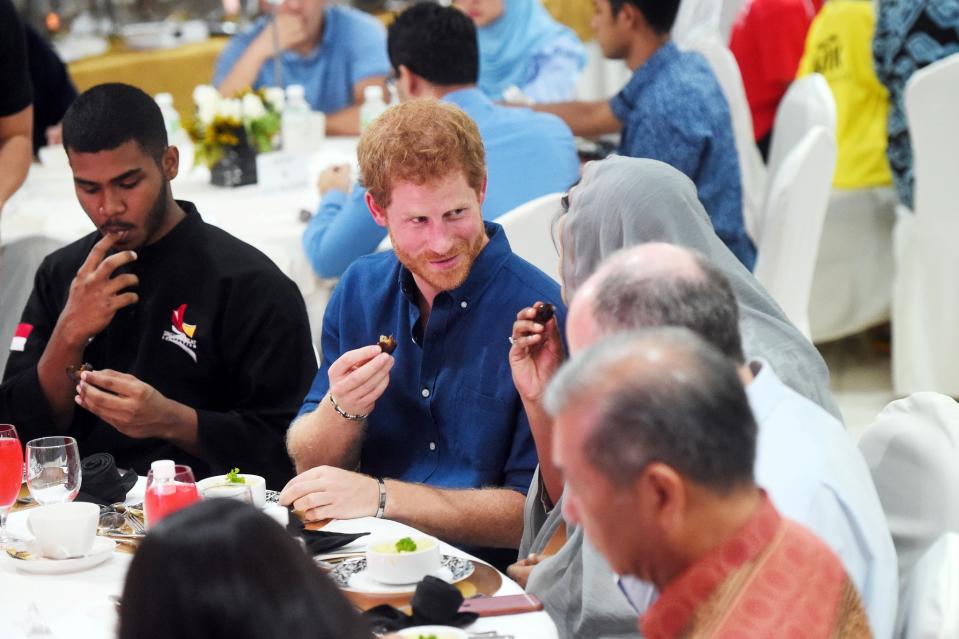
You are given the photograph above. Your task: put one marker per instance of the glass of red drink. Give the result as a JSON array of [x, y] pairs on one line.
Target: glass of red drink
[[11, 475], [170, 487]]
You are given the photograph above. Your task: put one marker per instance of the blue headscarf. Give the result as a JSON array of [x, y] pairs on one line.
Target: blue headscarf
[[507, 44]]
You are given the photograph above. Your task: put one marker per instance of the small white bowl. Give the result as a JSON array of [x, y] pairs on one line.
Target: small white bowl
[[256, 484], [440, 632], [388, 566]]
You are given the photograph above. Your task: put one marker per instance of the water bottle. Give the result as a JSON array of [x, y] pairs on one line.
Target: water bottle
[[170, 487], [297, 121], [373, 105], [176, 135]]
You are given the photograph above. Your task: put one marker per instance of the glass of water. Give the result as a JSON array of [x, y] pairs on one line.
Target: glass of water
[[53, 469]]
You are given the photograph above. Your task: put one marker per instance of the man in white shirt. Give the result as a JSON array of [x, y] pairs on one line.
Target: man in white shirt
[[806, 461]]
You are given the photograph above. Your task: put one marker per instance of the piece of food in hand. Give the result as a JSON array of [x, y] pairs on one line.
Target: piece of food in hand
[[73, 372], [387, 343], [544, 312]]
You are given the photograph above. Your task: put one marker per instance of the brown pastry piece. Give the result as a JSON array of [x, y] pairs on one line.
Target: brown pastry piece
[[544, 312], [74, 373], [387, 343]]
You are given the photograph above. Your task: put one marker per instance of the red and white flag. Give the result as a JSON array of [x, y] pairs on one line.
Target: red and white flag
[[20, 337]]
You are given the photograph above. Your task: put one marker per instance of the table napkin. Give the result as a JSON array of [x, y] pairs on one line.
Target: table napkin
[[435, 603], [320, 541], [102, 482]]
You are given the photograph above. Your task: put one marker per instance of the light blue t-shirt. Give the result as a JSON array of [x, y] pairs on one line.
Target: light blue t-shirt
[[528, 155], [352, 49]]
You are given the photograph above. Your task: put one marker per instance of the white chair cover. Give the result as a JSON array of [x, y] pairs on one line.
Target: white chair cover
[[912, 450], [696, 18], [788, 241], [852, 284], [807, 103], [529, 231], [925, 295], [931, 607], [751, 166], [728, 15], [601, 78]]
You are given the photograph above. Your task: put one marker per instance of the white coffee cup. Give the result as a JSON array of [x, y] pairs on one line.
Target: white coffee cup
[[64, 530]]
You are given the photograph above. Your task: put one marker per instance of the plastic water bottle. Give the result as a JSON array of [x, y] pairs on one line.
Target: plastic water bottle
[[176, 135], [169, 488], [297, 121], [373, 105]]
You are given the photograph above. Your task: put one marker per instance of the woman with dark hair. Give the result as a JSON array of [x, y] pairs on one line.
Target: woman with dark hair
[[222, 569]]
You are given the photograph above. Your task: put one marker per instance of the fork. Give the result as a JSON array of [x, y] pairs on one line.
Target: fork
[[135, 524]]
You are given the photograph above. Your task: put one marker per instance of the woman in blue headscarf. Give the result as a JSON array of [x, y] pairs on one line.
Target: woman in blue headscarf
[[521, 45]]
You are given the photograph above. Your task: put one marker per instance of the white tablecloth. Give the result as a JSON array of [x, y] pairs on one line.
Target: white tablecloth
[[77, 605], [267, 218]]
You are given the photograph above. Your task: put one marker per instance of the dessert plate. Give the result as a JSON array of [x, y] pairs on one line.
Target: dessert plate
[[351, 575]]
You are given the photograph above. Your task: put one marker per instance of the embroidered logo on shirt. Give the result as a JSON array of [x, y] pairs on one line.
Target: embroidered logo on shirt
[[19, 342], [182, 334]]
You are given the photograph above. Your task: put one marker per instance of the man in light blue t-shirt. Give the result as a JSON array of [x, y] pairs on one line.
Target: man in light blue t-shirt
[[434, 53], [334, 52]]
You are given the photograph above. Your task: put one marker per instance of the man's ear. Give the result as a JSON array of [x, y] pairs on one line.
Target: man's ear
[[482, 193], [666, 493], [630, 17], [408, 84], [378, 213], [170, 162]]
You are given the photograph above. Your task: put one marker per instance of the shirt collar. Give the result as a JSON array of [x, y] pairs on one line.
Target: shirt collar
[[481, 275], [183, 228], [763, 392], [661, 59], [677, 604], [468, 99]]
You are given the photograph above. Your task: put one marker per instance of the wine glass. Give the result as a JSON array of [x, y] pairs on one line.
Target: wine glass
[[169, 488], [11, 475], [53, 469]]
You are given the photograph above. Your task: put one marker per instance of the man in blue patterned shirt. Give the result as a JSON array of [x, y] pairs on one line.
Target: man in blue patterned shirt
[[672, 110]]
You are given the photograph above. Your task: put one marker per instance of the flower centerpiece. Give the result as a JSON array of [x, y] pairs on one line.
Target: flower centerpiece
[[227, 133]]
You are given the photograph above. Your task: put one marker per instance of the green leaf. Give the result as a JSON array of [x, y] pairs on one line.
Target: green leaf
[[234, 477], [406, 545]]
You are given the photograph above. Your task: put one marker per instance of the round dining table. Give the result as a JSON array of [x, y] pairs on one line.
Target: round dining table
[[81, 605]]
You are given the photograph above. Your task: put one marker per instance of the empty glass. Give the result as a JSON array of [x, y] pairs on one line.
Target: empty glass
[[53, 469]]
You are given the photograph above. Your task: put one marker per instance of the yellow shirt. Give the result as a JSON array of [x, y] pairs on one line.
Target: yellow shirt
[[839, 46]]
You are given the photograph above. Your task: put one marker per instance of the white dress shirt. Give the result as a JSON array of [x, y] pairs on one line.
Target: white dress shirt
[[815, 475]]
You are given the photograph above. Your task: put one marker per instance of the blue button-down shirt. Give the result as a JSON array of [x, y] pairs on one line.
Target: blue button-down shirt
[[352, 49], [450, 416], [528, 154], [673, 110]]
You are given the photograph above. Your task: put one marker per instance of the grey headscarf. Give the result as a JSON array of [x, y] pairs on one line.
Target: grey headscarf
[[621, 202]]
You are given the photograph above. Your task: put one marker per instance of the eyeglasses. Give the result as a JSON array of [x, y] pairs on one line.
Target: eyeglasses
[[564, 202]]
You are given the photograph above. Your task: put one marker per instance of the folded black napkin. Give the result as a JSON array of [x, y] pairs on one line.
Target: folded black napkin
[[320, 541], [102, 483], [435, 603]]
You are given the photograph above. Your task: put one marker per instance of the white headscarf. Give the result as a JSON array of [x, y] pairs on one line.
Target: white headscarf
[[621, 202]]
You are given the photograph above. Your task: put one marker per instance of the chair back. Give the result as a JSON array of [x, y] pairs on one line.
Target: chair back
[[788, 241], [751, 167], [808, 103], [925, 306], [528, 228], [930, 609]]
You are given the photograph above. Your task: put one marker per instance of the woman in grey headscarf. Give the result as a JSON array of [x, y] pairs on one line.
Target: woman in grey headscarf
[[621, 202]]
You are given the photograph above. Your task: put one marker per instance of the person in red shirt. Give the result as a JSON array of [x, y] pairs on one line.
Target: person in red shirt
[[768, 40]]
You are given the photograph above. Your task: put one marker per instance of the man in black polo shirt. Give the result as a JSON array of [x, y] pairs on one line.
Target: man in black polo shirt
[[200, 346]]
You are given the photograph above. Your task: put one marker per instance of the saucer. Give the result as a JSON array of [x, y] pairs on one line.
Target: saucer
[[26, 556], [352, 575]]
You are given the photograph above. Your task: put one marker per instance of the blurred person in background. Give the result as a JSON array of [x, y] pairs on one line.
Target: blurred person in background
[[334, 51], [53, 90], [522, 46], [16, 104]]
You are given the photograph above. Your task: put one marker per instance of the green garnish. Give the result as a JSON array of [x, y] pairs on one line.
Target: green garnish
[[233, 477], [405, 545], [428, 637]]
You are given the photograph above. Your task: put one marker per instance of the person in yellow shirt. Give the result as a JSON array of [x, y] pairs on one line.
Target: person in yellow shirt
[[854, 268]]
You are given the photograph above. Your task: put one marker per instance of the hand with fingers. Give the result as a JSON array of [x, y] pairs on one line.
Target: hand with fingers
[[358, 378], [291, 31], [95, 295], [327, 492], [133, 407], [536, 354], [519, 572], [334, 178]]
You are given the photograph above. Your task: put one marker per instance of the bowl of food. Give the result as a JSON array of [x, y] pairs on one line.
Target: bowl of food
[[433, 632], [402, 560], [231, 484]]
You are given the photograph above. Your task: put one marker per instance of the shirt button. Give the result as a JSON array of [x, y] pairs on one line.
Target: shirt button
[[425, 392], [464, 304], [432, 445]]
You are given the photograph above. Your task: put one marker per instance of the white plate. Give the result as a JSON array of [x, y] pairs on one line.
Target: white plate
[[101, 551], [352, 575]]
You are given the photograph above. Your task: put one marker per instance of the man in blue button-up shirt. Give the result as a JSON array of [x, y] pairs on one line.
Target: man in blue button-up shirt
[[672, 110], [440, 415], [434, 52]]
